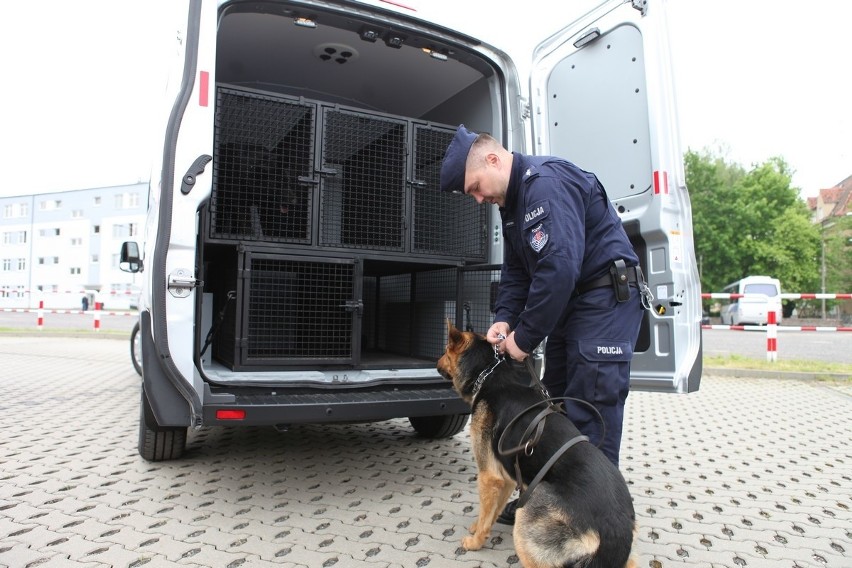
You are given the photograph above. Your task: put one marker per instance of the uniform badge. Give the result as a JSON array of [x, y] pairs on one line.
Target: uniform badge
[[538, 238]]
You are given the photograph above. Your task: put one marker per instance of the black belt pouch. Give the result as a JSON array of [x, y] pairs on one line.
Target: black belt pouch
[[620, 281]]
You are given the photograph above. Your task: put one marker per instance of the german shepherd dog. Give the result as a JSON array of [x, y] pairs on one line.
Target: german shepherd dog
[[580, 514]]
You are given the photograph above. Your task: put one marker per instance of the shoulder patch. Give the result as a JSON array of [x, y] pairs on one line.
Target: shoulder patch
[[538, 238], [535, 213]]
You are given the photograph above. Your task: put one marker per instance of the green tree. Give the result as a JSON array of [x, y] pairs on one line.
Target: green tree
[[837, 236], [750, 222]]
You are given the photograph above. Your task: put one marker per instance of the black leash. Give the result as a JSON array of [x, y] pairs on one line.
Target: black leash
[[532, 434]]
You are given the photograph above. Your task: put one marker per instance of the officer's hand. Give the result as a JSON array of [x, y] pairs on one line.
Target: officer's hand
[[510, 348], [497, 332]]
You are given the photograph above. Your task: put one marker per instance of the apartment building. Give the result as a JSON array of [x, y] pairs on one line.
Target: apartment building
[[64, 246]]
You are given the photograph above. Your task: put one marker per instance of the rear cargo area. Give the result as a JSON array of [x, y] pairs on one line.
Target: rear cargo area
[[326, 243]]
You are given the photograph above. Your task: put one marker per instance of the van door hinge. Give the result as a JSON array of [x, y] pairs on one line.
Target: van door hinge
[[181, 282], [641, 5]]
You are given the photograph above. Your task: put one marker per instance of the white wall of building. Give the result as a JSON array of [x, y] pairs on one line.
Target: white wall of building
[[59, 247]]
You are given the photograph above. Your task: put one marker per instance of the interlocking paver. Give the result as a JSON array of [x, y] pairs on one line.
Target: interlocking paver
[[745, 472]]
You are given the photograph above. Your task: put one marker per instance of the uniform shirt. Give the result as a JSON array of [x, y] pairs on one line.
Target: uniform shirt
[[559, 230]]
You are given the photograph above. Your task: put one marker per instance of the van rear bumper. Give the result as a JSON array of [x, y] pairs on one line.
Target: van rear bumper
[[318, 406]]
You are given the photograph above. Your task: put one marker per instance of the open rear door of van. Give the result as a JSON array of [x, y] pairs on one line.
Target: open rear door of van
[[602, 97]]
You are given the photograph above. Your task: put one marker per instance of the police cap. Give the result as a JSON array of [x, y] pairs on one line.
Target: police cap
[[453, 166]]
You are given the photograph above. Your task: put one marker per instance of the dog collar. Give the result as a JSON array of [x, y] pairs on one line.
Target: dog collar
[[477, 385]]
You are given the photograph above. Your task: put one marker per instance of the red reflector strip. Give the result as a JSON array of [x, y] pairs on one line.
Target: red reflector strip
[[236, 414], [661, 182], [204, 88]]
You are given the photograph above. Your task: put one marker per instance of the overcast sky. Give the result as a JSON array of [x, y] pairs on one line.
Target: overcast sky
[[754, 78]]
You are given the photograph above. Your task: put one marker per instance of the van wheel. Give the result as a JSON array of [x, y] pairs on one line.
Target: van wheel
[[136, 349], [158, 443], [439, 426]]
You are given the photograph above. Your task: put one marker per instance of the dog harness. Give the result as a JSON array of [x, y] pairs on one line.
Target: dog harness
[[532, 434], [527, 447]]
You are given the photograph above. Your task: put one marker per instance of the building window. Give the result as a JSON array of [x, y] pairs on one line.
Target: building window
[[16, 238], [76, 213], [25, 209], [75, 270], [76, 241], [97, 200], [133, 229], [49, 232], [96, 229], [134, 200], [50, 204], [8, 211], [7, 264], [119, 201], [94, 259], [22, 264]]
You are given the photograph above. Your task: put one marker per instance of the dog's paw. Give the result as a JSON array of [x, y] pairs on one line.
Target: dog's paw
[[472, 542], [473, 528]]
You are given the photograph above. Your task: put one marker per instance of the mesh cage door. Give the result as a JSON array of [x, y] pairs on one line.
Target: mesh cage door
[[300, 310], [262, 167], [450, 224], [363, 181], [477, 297]]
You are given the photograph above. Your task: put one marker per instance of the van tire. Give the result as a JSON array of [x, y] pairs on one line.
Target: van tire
[[444, 426], [158, 443], [136, 349]]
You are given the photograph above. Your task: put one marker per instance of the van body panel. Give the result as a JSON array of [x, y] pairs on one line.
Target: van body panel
[[301, 263], [602, 97]]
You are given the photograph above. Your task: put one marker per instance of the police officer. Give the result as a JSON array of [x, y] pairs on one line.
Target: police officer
[[569, 274]]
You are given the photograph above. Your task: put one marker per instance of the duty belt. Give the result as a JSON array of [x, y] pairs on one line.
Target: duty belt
[[606, 280]]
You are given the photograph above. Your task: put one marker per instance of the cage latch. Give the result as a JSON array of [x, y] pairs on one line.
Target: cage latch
[[356, 306], [181, 282]]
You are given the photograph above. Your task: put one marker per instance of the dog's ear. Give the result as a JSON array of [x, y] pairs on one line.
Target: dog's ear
[[454, 336]]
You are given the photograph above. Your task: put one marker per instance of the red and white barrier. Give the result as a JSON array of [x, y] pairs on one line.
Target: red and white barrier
[[40, 319], [780, 327], [81, 312], [771, 337], [772, 328], [15, 292], [817, 296]]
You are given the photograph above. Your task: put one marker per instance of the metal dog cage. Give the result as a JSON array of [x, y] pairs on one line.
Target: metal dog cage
[[327, 225]]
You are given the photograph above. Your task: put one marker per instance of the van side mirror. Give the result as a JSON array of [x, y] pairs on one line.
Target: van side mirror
[[129, 260]]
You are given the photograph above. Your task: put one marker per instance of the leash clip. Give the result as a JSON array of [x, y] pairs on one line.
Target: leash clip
[[645, 295], [497, 354]]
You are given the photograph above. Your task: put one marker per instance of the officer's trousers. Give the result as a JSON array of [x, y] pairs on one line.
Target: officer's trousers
[[587, 356]]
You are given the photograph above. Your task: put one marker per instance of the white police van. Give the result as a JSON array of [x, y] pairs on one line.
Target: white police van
[[300, 262]]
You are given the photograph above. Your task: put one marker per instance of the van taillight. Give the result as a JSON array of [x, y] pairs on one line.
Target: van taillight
[[230, 414]]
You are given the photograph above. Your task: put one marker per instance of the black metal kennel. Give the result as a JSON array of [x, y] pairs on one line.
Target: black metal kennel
[[328, 224]]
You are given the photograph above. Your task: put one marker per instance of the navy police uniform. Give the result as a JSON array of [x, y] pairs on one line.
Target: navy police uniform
[[562, 239], [561, 235]]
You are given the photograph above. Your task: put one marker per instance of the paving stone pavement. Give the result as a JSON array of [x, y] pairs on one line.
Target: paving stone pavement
[[746, 472]]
